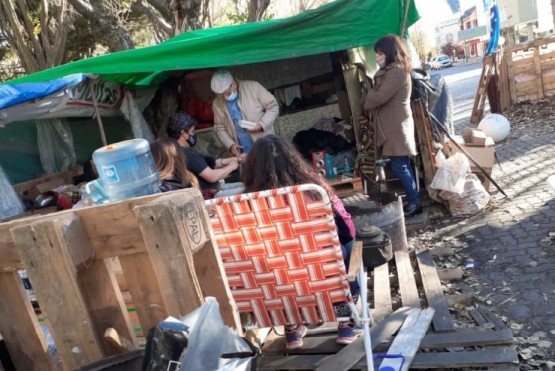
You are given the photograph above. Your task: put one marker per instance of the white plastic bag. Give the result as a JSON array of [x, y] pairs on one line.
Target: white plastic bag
[[209, 339], [472, 200], [450, 175]]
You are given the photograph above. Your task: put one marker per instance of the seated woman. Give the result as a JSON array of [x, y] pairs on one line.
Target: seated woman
[[274, 163], [172, 166]]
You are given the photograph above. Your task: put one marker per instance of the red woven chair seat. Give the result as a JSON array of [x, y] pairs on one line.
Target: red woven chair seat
[[281, 254]]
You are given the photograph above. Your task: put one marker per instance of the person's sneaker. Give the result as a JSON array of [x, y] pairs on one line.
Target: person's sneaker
[[294, 337], [347, 333], [412, 210]]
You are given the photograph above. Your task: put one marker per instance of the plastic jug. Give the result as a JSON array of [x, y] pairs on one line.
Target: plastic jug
[[125, 169]]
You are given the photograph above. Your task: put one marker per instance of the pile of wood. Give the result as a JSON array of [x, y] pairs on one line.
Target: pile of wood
[[397, 288]]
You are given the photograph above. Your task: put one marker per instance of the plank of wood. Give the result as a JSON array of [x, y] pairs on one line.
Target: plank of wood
[[144, 289], [491, 356], [491, 318], [434, 292], [45, 254], [538, 72], [382, 293], [407, 283], [467, 338], [292, 362], [170, 254], [64, 176], [425, 140], [355, 262], [407, 341], [20, 328], [322, 344], [105, 303], [352, 353]]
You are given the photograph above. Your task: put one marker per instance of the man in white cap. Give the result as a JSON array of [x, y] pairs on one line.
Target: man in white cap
[[238, 101]]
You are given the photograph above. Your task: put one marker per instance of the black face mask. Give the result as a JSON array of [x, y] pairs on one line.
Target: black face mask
[[192, 140]]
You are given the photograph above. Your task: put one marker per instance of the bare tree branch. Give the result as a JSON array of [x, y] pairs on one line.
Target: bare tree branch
[[155, 17], [116, 38]]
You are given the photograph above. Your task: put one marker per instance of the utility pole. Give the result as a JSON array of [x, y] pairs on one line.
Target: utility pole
[[553, 12]]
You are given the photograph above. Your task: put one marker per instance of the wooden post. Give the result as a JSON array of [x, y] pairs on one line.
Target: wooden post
[[175, 227], [45, 254], [20, 328]]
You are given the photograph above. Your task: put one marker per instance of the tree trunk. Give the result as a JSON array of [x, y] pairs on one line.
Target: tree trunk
[[257, 9], [116, 38], [187, 14]]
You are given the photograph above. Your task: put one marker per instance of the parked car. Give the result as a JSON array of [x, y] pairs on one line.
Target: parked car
[[441, 61]]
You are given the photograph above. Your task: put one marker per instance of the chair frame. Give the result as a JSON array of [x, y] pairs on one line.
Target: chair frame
[[282, 257]]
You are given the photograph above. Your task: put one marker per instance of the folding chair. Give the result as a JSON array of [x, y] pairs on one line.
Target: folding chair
[[282, 257]]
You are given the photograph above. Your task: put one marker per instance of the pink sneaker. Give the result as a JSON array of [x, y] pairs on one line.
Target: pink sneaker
[[294, 337]]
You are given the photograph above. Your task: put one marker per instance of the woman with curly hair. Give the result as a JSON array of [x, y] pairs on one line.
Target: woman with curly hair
[[274, 163], [172, 166], [389, 100]]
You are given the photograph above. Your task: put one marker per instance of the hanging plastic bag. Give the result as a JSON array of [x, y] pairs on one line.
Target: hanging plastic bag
[[10, 204], [55, 142], [450, 175]]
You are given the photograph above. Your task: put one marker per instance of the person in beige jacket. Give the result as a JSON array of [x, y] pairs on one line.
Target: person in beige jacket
[[238, 101], [389, 100]]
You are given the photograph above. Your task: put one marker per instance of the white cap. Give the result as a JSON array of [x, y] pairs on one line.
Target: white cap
[[221, 80]]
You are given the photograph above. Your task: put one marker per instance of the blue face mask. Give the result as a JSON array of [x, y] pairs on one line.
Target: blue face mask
[[232, 97]]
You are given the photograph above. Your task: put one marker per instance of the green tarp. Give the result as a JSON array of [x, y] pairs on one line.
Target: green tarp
[[339, 25]]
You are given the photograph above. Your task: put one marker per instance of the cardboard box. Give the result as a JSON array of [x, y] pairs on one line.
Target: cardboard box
[[476, 137]]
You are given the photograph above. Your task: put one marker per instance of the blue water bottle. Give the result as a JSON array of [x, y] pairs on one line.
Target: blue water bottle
[[328, 161]]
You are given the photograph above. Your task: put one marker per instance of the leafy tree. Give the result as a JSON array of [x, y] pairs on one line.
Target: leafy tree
[[36, 30]]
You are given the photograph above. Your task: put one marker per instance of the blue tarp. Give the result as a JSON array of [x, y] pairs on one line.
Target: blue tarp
[[11, 95]]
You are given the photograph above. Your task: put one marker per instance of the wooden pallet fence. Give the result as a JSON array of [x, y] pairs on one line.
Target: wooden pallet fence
[[531, 70], [169, 260]]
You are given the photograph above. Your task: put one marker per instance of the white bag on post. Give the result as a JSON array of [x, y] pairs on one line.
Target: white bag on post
[[451, 172]]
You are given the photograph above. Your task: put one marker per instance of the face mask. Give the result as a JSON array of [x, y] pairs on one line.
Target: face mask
[[232, 97], [192, 140]]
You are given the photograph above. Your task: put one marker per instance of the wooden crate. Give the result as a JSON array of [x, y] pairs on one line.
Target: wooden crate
[[410, 280], [164, 244]]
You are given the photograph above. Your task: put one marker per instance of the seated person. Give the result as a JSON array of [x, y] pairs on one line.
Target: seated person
[[172, 166], [208, 170], [274, 163]]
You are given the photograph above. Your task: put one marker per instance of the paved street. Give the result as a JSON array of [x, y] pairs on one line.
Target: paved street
[[510, 244]]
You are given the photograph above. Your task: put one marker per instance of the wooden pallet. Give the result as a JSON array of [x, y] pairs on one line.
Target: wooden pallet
[[346, 186], [410, 280]]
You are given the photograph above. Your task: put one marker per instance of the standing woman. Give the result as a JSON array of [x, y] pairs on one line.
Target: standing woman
[[273, 162], [390, 102]]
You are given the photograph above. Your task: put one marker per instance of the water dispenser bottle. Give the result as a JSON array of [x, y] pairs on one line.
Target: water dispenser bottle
[[126, 169]]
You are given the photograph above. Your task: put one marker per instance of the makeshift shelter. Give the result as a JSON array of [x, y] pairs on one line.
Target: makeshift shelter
[[341, 25]]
